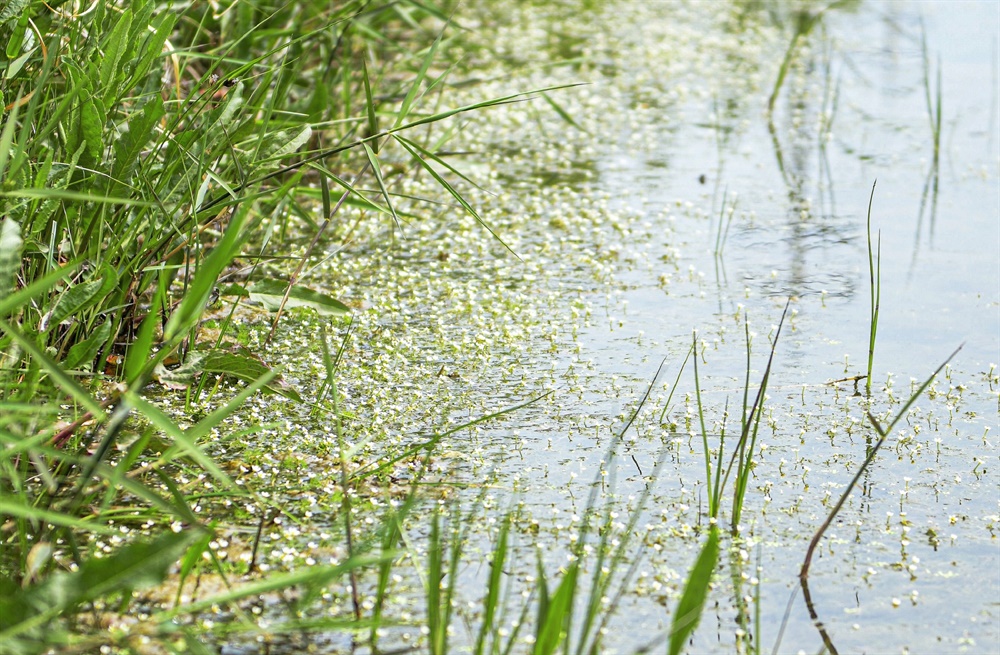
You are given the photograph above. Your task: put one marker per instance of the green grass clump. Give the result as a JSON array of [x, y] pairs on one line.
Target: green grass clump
[[147, 150]]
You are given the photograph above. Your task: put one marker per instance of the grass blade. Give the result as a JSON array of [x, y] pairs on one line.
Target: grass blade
[[692, 602]]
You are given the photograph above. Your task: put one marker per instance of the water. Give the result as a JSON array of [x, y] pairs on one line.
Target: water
[[679, 134], [618, 226]]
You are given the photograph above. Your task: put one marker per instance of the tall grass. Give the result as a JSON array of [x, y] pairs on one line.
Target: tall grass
[[741, 461], [144, 148], [875, 291]]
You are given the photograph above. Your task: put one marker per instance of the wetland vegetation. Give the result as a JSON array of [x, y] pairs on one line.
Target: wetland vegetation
[[409, 326]]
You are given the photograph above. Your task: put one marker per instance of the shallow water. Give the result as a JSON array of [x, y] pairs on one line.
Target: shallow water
[[618, 230], [678, 127]]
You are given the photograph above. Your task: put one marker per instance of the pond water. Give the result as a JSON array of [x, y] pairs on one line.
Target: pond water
[[672, 202]]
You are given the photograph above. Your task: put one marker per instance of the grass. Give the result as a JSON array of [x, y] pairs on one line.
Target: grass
[[126, 200], [741, 461], [875, 291]]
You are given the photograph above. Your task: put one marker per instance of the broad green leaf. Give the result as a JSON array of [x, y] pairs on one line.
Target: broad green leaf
[[15, 66], [127, 149], [113, 48], [281, 144], [692, 602], [286, 144], [182, 376], [153, 47], [270, 293], [232, 103], [17, 35], [72, 301], [10, 255], [84, 352], [245, 366], [91, 128]]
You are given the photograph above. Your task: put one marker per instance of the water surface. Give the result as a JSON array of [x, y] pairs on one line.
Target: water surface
[[677, 205]]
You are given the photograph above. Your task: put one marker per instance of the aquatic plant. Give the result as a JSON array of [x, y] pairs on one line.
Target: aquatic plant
[[742, 457], [883, 434], [875, 291]]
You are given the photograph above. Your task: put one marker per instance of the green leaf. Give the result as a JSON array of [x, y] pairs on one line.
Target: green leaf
[[404, 108], [373, 159], [37, 288], [113, 48], [17, 35], [140, 349], [132, 143], [63, 194], [79, 297], [55, 371], [562, 112], [175, 378], [554, 623], [370, 105], [24, 615], [10, 255], [491, 603], [152, 47], [245, 366], [191, 307], [91, 128], [412, 148], [692, 602], [232, 103], [7, 137], [84, 352], [12, 507], [280, 145], [270, 293], [12, 10]]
